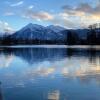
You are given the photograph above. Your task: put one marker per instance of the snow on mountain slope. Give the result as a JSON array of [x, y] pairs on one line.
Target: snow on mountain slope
[[33, 27], [34, 31], [56, 28]]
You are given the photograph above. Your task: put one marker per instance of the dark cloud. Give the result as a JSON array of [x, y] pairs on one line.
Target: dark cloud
[[83, 7]]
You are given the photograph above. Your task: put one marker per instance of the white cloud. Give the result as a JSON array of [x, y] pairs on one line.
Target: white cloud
[[82, 15], [57, 19], [39, 16], [5, 61], [31, 7], [5, 27], [70, 17], [8, 14], [17, 4]]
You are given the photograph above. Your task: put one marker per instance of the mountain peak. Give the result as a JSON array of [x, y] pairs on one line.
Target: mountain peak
[[56, 28], [32, 26]]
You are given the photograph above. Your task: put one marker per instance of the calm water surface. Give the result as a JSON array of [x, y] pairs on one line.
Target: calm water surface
[[49, 73]]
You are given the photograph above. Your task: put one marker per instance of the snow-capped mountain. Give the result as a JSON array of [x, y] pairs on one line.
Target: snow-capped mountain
[[39, 32], [56, 28], [32, 27], [34, 31]]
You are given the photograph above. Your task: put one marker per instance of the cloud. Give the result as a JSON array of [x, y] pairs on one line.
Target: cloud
[[84, 7], [56, 19], [62, 20], [84, 14], [31, 7], [17, 4], [76, 16], [9, 13], [5, 27], [79, 16], [5, 60], [39, 15]]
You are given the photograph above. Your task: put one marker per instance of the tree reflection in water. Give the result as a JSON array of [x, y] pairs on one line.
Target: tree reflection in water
[[51, 54], [1, 97]]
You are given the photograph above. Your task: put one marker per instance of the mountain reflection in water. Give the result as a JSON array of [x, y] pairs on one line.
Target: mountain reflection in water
[[50, 73], [40, 54]]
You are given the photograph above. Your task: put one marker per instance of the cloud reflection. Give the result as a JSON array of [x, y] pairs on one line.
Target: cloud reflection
[[5, 60], [54, 95], [47, 63]]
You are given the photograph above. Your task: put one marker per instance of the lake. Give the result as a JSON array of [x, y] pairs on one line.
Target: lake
[[50, 73]]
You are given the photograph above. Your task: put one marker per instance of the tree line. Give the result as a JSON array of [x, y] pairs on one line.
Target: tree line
[[92, 38]]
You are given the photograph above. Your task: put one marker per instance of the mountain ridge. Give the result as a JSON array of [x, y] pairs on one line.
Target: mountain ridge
[[38, 34], [35, 31]]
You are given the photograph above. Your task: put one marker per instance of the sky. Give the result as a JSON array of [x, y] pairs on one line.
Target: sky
[[15, 14]]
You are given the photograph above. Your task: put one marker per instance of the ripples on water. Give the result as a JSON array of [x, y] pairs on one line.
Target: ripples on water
[[50, 73]]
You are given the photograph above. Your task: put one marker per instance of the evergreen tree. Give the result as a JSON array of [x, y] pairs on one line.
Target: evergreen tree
[[91, 37], [72, 38]]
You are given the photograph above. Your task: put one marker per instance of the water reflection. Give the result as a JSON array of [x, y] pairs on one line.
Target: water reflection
[[48, 60], [55, 72], [32, 55], [1, 97], [55, 95]]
